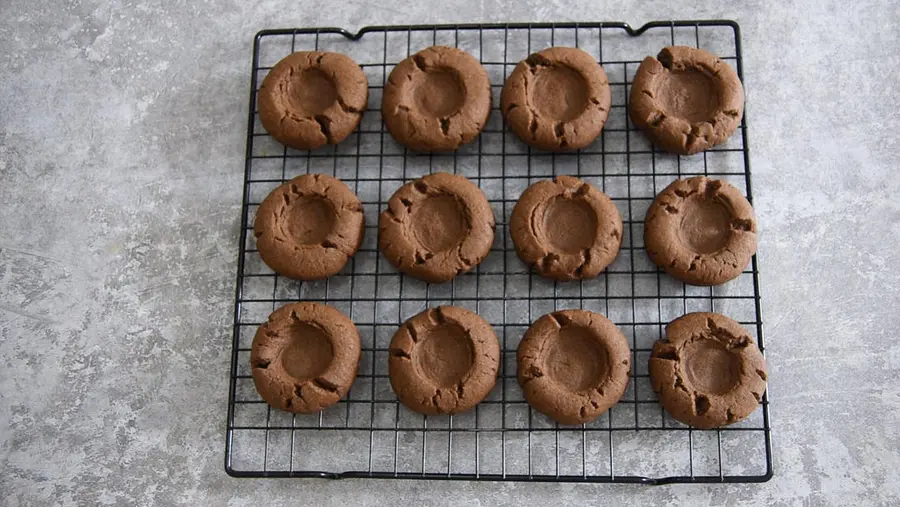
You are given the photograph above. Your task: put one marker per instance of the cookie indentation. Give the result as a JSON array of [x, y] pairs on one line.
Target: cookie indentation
[[310, 219], [688, 94], [576, 360], [570, 224], [559, 92], [439, 222], [444, 355], [311, 91], [705, 224], [710, 367], [308, 353], [440, 93]]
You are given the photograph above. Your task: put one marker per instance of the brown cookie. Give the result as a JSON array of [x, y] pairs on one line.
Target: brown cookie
[[436, 227], [305, 357], [310, 98], [701, 231], [437, 100], [557, 99], [708, 372], [566, 229], [443, 361], [686, 100], [573, 365], [309, 227]]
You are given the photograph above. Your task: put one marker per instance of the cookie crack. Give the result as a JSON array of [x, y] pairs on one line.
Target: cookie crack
[[560, 318], [701, 404], [532, 124], [684, 194], [536, 60], [743, 224], [656, 118], [435, 402], [438, 316], [420, 62], [561, 135], [585, 260], [413, 334], [547, 261], [666, 352], [595, 101], [679, 383], [324, 126], [399, 353], [323, 383], [347, 108], [693, 266]]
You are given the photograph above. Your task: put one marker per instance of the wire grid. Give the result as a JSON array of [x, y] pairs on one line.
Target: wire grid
[[369, 434]]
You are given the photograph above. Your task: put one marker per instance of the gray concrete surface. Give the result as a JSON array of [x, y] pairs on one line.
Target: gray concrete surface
[[121, 149]]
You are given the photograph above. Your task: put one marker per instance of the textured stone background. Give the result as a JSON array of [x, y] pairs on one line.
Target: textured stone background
[[121, 157]]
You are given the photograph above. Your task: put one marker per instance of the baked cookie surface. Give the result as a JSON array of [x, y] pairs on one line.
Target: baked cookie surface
[[573, 365], [686, 100], [312, 98], [437, 100], [443, 361], [708, 371], [557, 99], [701, 231], [436, 227], [566, 229], [304, 357], [309, 227]]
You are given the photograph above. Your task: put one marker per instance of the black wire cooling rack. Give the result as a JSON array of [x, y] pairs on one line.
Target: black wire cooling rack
[[369, 434]]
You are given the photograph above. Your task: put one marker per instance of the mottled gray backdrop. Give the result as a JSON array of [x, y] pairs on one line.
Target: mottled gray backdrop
[[121, 156]]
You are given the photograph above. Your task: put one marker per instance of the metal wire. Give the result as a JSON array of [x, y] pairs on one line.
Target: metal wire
[[369, 434]]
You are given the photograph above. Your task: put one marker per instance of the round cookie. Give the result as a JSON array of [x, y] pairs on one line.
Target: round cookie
[[573, 365], [311, 98], [436, 227], [437, 100], [686, 100], [557, 99], [701, 231], [443, 361], [566, 229], [309, 227], [708, 372], [305, 357]]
